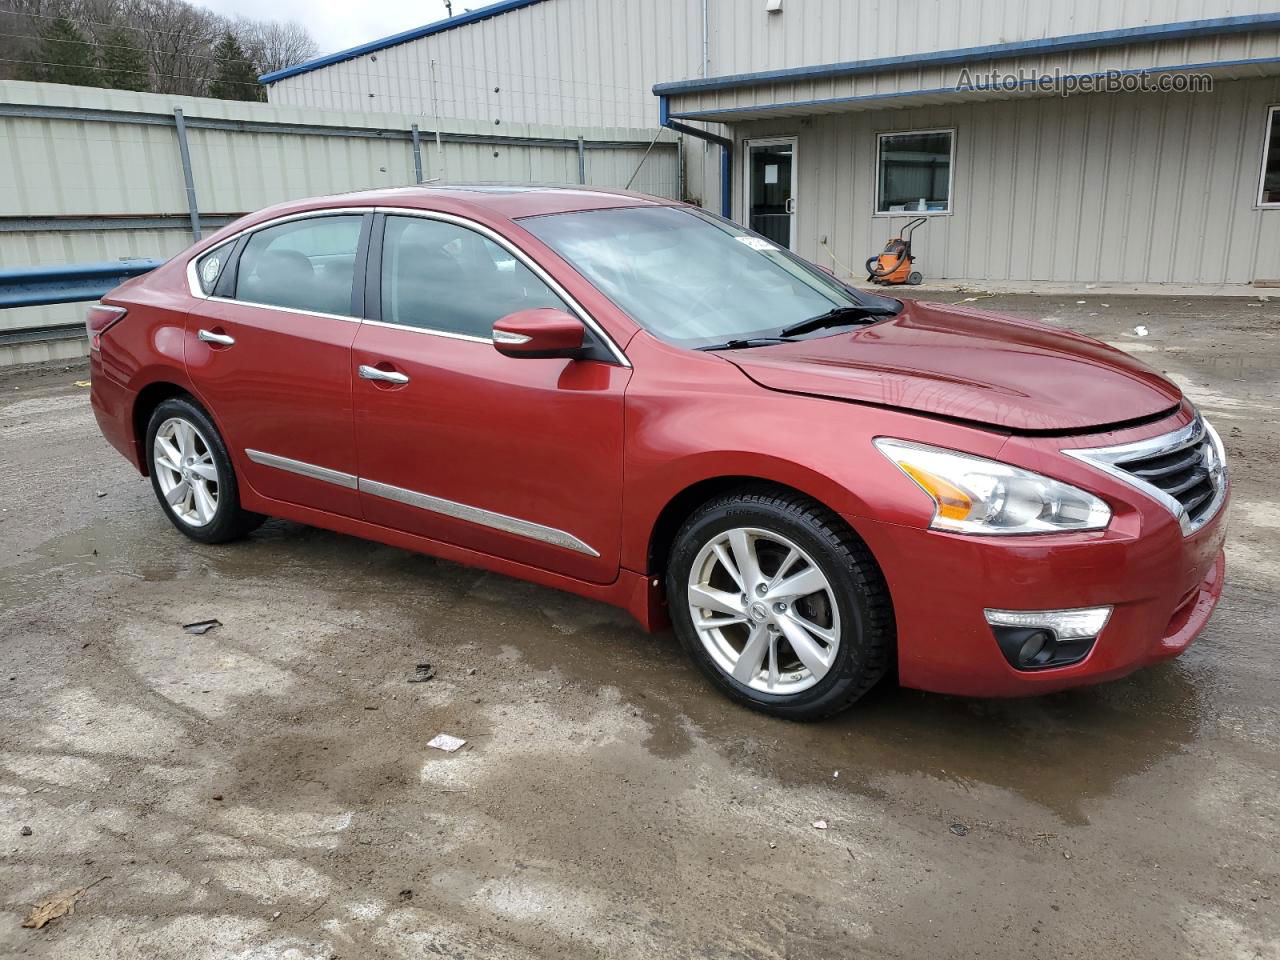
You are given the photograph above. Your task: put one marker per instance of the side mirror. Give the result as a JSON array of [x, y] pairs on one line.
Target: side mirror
[[542, 332]]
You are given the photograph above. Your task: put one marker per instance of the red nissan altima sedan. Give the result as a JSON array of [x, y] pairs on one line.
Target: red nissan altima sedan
[[637, 401]]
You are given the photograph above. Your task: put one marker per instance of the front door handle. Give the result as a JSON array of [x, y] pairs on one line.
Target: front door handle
[[373, 373], [208, 336]]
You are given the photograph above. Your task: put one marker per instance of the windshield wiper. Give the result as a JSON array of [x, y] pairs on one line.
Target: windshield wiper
[[836, 317], [745, 342]]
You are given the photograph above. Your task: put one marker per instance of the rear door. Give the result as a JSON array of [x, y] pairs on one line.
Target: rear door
[[516, 458], [269, 352]]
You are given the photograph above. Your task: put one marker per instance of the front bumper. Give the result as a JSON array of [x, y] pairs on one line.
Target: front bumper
[[1161, 584]]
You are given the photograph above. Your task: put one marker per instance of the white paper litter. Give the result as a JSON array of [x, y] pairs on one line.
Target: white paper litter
[[1140, 330], [819, 824], [442, 741]]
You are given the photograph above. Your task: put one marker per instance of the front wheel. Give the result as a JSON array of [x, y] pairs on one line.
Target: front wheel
[[192, 474], [780, 604]]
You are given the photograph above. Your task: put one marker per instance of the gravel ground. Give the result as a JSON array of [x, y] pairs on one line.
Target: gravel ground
[[264, 790]]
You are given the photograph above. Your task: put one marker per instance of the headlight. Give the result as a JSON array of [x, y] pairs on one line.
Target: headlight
[[975, 495]]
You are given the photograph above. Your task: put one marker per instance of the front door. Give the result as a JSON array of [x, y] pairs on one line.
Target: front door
[[515, 458], [771, 189], [271, 358]]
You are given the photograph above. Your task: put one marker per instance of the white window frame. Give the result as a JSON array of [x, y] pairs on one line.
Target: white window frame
[[1273, 112], [951, 175]]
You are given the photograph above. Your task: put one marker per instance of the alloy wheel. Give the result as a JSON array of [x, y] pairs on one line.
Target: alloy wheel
[[764, 610], [186, 471]]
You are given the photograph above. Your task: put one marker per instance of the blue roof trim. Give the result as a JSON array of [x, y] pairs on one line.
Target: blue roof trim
[[461, 20], [1079, 41], [721, 114]]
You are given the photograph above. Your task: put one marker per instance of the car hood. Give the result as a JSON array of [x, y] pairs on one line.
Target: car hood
[[968, 365]]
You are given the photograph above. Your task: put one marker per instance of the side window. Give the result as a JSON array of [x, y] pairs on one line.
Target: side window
[[210, 266], [440, 276], [304, 264]]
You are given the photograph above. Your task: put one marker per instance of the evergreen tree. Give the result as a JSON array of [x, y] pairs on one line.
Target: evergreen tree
[[235, 77], [124, 62], [66, 56]]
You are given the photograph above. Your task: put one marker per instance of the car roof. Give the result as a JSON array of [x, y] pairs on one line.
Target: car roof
[[511, 201]]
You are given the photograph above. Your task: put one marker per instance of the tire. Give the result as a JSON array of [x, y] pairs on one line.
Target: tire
[[183, 429], [915, 277], [853, 607]]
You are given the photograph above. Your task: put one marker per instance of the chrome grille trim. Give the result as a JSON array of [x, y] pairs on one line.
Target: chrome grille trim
[[1198, 436]]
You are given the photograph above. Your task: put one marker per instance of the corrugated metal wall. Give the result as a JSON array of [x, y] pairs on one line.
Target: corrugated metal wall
[[576, 62], [565, 62], [1124, 188], [745, 39], [57, 162], [940, 83]]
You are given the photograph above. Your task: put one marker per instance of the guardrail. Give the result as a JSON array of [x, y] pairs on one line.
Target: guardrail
[[44, 286]]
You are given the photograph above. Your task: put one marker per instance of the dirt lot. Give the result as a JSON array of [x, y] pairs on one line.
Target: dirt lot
[[265, 790]]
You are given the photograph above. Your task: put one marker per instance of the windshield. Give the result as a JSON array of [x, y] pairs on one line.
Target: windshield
[[690, 278]]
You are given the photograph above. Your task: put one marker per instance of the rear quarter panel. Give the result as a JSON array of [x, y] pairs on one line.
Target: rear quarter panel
[[146, 347]]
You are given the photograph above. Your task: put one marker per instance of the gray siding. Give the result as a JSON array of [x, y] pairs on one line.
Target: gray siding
[[126, 164], [1124, 188], [745, 39], [926, 85]]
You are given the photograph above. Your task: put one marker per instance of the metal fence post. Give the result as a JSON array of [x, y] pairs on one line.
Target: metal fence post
[[181, 126], [417, 156], [582, 161]]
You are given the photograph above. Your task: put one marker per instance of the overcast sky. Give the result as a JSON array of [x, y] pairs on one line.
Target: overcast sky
[[338, 24]]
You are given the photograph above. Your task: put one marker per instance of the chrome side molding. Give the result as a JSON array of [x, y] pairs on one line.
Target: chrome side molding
[[347, 480], [424, 501], [476, 515]]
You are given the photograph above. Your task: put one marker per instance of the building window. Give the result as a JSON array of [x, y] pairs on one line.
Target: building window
[[1269, 192], [913, 172]]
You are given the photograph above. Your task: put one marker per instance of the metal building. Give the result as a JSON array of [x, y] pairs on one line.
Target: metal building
[[832, 123]]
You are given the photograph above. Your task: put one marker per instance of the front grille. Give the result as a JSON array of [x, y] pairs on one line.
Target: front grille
[[1183, 470]]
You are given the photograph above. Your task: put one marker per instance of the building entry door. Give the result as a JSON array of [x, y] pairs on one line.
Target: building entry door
[[771, 189]]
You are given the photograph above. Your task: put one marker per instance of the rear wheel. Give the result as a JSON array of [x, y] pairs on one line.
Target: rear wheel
[[915, 277], [780, 604], [192, 475]]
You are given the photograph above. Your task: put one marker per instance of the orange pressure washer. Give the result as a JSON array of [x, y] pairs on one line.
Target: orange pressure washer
[[894, 265]]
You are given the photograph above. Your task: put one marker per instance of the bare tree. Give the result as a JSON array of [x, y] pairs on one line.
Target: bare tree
[[275, 44], [179, 44], [177, 38]]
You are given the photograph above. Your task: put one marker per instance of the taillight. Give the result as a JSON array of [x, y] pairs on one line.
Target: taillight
[[99, 320]]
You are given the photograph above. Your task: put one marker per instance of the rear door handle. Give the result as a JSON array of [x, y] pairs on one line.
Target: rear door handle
[[373, 373], [208, 336]]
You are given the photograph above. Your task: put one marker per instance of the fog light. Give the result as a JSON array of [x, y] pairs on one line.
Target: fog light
[[1038, 639], [1033, 647]]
